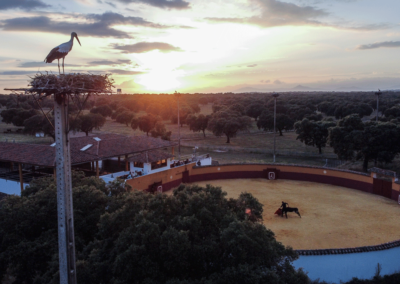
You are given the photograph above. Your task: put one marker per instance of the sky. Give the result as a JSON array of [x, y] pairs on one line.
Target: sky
[[197, 46]]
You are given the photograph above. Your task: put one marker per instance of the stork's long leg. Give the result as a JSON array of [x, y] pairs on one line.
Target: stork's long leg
[[63, 66], [58, 60]]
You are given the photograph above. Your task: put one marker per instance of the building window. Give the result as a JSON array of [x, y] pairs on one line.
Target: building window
[[159, 164]]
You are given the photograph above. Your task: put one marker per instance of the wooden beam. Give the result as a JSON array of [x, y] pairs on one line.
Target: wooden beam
[[97, 169], [173, 150], [21, 180], [126, 163], [119, 162]]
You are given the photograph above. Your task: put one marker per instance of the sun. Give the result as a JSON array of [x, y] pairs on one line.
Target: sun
[[160, 80]]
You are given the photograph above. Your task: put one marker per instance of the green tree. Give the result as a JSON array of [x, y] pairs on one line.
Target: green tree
[[228, 123], [104, 110], [393, 112], [313, 133], [118, 111], [159, 130], [22, 115], [7, 115], [351, 138], [145, 123], [39, 123], [283, 122], [88, 122], [184, 111], [198, 123], [125, 117], [194, 236], [28, 226], [255, 110]]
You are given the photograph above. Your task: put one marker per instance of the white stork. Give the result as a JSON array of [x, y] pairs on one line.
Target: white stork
[[61, 51]]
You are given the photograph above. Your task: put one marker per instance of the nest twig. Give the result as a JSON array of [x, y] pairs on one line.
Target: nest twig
[[76, 83]]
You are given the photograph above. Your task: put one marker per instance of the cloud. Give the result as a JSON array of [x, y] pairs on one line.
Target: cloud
[[109, 62], [164, 4], [42, 64], [99, 25], [125, 72], [142, 47], [91, 63], [17, 72], [129, 85], [265, 81], [111, 4], [278, 82], [22, 4], [375, 45], [276, 13], [252, 65]]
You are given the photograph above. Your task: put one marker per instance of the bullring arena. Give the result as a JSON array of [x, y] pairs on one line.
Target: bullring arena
[[331, 216], [339, 209]]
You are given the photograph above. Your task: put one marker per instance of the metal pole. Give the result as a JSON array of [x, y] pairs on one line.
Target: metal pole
[[377, 103], [66, 240], [21, 180], [274, 128], [179, 131]]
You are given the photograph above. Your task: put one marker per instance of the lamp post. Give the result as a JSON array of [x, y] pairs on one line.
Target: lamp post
[[377, 103], [177, 95], [275, 95]]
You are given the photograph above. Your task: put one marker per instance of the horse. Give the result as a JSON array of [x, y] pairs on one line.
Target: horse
[[289, 209]]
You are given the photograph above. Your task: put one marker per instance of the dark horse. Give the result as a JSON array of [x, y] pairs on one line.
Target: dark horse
[[286, 209]]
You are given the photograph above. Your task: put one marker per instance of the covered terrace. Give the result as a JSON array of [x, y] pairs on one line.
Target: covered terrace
[[94, 155]]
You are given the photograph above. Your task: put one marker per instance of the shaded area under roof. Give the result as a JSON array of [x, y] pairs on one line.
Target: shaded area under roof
[[152, 156], [110, 145]]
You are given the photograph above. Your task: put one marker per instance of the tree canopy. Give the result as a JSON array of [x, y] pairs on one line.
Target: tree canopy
[[88, 122], [313, 133], [146, 123], [198, 123], [352, 138], [196, 235], [228, 123], [39, 123], [104, 110], [125, 117], [283, 122]]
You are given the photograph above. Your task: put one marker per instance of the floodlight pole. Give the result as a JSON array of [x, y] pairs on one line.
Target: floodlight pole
[[377, 103], [275, 95], [66, 239], [177, 95]]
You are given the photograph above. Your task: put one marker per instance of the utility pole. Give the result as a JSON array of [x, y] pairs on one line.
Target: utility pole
[[377, 103], [275, 95], [66, 238], [177, 95]]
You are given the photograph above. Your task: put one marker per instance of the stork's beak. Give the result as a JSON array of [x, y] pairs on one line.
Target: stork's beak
[[78, 40]]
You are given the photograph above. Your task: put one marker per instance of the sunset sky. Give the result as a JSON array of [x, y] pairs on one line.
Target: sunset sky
[[208, 46]]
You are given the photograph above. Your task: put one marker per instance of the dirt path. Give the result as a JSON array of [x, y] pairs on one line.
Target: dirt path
[[332, 216]]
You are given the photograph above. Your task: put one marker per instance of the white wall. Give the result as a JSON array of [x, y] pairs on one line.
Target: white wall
[[343, 267]]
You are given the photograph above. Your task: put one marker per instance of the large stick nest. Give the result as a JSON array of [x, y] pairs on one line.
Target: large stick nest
[[71, 83]]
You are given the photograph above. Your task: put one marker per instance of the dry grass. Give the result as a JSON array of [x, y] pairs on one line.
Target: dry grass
[[19, 137]]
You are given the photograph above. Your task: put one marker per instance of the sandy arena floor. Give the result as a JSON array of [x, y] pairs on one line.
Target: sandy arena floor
[[332, 216]]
